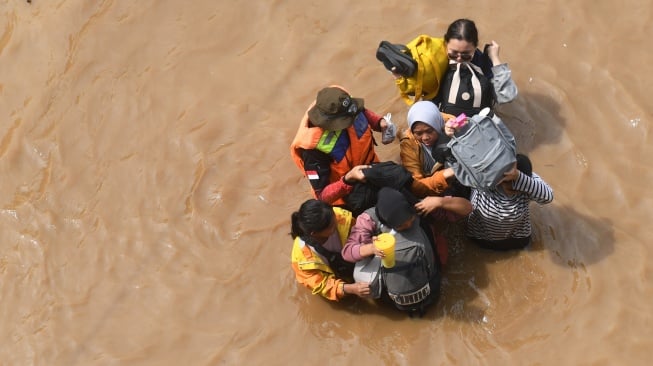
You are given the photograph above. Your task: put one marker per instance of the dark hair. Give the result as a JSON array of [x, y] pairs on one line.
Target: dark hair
[[313, 215], [524, 165], [463, 30]]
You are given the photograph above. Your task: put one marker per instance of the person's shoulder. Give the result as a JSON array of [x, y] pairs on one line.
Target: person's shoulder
[[405, 135], [368, 214], [341, 212], [537, 177]]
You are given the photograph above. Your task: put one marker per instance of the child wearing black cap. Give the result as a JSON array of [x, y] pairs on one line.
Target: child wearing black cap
[[413, 283]]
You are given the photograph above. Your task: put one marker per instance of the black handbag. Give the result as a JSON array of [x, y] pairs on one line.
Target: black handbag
[[396, 56]]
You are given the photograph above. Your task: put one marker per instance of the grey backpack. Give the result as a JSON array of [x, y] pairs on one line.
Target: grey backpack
[[413, 284], [484, 150]]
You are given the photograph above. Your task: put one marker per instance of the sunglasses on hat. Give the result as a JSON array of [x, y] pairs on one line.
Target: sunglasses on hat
[[348, 108]]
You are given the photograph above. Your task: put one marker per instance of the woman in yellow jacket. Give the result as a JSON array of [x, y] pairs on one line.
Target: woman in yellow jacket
[[320, 232]]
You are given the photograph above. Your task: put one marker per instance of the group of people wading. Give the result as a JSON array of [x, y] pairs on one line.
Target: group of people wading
[[357, 197]]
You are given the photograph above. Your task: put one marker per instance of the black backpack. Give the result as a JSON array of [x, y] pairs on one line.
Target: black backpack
[[397, 56], [384, 174], [459, 92]]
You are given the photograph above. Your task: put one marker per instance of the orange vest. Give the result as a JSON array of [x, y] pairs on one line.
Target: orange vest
[[360, 149]]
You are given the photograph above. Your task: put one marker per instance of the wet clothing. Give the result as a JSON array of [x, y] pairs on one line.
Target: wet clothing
[[325, 156], [413, 283], [313, 269], [500, 221]]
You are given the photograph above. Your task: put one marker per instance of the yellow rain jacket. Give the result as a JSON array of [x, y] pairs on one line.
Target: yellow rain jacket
[[311, 271], [432, 62]]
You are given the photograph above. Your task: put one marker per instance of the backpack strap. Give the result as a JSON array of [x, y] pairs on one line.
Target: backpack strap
[[455, 85]]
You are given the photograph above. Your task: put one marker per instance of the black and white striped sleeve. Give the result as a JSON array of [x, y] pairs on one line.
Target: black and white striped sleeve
[[538, 190]]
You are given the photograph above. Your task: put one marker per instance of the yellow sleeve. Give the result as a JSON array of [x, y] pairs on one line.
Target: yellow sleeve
[[323, 283]]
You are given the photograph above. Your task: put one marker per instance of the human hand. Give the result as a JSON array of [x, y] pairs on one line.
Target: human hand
[[356, 174], [367, 250], [383, 124], [360, 289], [454, 124], [388, 129], [395, 74], [376, 251], [511, 175], [448, 172], [492, 51], [449, 130], [428, 205]]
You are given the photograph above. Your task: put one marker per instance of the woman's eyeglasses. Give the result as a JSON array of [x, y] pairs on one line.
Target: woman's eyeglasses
[[464, 56]]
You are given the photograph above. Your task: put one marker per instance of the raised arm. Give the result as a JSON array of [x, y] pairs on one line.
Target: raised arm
[[375, 120], [505, 88], [538, 190]]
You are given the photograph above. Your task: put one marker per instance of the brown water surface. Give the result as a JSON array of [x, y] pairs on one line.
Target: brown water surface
[[147, 184]]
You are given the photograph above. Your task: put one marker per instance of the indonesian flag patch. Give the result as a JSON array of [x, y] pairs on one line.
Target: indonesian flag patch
[[312, 175]]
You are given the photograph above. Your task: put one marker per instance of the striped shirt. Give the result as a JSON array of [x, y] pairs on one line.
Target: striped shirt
[[497, 216]]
